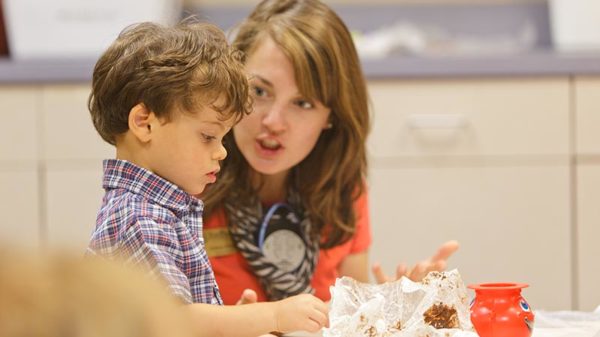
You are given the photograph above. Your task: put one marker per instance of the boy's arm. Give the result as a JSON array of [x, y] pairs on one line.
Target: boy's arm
[[298, 313]]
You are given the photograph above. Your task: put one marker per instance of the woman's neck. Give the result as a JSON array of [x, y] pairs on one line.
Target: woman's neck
[[273, 188]]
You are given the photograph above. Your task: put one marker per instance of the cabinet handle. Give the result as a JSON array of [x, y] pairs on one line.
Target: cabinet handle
[[436, 121]]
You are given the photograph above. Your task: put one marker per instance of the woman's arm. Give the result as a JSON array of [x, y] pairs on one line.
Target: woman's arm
[[356, 266]]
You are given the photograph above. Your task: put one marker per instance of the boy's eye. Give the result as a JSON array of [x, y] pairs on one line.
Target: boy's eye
[[208, 138], [304, 104]]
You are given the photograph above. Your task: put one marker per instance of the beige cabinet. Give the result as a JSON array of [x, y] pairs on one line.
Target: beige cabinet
[[587, 118], [69, 135], [488, 162], [485, 162], [20, 207], [588, 234], [19, 175], [497, 117], [587, 102], [50, 166], [73, 197], [73, 156], [20, 131]]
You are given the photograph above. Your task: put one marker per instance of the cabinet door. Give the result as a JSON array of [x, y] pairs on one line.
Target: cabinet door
[[470, 117], [19, 206], [588, 216], [512, 223], [68, 130], [483, 161], [588, 190], [587, 105], [19, 130], [19, 179], [73, 197], [73, 153]]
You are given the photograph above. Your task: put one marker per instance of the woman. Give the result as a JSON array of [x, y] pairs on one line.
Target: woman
[[289, 213]]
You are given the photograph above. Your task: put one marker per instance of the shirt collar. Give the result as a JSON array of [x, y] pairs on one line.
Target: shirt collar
[[121, 174]]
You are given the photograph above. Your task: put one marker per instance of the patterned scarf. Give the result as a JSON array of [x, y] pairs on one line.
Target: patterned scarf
[[281, 227]]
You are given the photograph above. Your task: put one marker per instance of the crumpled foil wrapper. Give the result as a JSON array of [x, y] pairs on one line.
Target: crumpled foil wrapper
[[402, 308]]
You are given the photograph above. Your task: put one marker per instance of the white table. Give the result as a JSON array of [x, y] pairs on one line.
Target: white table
[[567, 324], [547, 324]]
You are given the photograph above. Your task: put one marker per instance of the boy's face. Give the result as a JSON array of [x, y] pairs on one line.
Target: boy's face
[[187, 149]]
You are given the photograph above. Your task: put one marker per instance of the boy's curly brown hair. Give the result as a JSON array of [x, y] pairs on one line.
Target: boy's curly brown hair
[[188, 66]]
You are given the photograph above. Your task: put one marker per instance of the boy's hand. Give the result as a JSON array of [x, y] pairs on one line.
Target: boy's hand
[[301, 312], [437, 262], [248, 296]]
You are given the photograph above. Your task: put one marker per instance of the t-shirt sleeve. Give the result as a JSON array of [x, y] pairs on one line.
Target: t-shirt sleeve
[[362, 239], [155, 248]]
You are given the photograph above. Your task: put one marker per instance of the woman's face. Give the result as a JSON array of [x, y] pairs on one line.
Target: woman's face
[[284, 126]]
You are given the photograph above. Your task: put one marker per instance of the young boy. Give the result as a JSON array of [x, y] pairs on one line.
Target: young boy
[[165, 98]]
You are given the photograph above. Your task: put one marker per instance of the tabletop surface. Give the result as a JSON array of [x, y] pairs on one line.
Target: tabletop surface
[[548, 324]]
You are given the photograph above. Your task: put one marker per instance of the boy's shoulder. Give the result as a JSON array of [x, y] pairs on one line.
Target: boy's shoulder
[[123, 208], [124, 216]]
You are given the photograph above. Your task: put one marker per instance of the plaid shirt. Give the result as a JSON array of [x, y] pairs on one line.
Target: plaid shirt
[[154, 224]]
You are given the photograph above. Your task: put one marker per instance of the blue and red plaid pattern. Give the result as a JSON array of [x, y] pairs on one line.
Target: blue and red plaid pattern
[[154, 224]]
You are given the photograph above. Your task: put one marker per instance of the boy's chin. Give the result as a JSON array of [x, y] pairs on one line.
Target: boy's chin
[[196, 191]]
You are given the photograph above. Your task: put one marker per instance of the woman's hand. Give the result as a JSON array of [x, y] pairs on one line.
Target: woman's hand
[[437, 262], [248, 296]]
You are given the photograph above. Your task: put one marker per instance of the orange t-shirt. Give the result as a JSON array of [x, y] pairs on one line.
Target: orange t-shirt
[[233, 274]]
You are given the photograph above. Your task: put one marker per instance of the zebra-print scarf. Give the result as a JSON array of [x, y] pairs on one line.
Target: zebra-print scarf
[[245, 221]]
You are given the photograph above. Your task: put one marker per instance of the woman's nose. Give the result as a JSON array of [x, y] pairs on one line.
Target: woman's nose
[[273, 118]]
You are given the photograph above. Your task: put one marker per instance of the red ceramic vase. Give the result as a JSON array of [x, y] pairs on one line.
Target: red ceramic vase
[[499, 310]]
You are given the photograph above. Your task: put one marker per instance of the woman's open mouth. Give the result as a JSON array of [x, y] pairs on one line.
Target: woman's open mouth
[[268, 147], [270, 144]]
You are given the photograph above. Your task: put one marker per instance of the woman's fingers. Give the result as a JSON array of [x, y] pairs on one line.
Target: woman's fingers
[[418, 272], [248, 296], [380, 276], [438, 262], [401, 270], [439, 265], [445, 251]]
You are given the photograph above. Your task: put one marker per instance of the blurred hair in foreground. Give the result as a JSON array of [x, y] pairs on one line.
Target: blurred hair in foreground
[[63, 295]]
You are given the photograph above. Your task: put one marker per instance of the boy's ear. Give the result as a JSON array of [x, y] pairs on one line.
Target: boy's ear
[[140, 122]]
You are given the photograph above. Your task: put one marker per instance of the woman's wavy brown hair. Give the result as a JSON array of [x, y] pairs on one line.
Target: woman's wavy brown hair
[[187, 67], [327, 69]]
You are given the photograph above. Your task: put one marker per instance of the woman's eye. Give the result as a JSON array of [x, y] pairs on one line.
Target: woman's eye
[[208, 138], [259, 92], [304, 104]]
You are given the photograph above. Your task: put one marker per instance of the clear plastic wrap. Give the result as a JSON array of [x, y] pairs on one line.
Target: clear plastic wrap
[[436, 307]]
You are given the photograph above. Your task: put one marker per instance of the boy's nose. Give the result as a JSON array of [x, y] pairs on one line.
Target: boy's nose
[[220, 153]]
